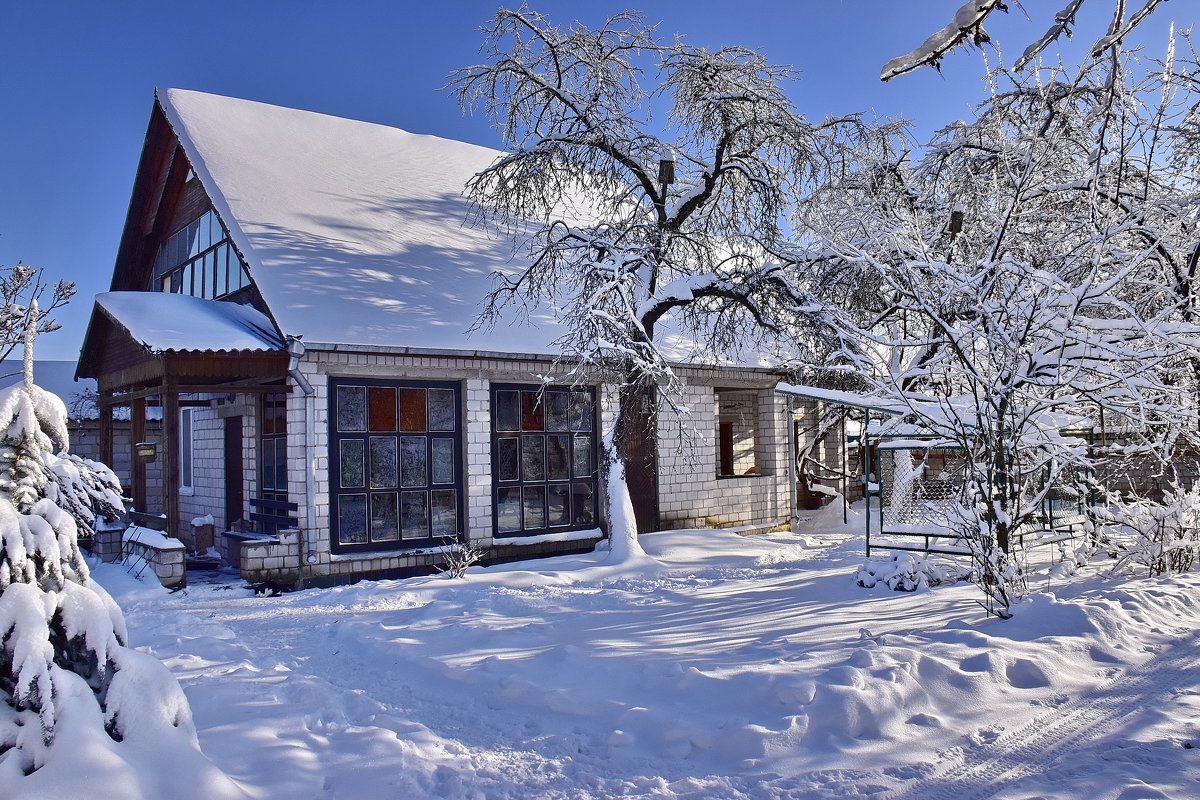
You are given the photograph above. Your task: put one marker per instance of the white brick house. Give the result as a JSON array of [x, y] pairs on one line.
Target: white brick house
[[298, 292]]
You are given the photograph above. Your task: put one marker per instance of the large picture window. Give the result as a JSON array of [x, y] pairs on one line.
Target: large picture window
[[199, 260], [543, 459], [395, 451]]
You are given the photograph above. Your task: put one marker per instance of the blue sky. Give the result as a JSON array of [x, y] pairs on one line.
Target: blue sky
[[78, 76]]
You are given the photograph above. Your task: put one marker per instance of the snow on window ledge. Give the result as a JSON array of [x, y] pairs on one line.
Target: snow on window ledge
[[187, 491], [565, 536]]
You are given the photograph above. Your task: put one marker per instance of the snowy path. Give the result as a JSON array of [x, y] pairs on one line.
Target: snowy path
[[1041, 746]]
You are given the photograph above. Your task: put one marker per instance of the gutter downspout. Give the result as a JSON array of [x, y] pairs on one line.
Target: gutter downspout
[[295, 349], [794, 514]]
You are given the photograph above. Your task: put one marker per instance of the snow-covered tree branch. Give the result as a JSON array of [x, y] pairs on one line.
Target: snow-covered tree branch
[[966, 28], [1034, 280]]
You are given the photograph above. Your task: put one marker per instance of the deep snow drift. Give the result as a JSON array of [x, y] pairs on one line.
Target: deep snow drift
[[730, 667]]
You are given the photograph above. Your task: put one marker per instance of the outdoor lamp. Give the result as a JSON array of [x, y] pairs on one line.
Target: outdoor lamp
[[666, 166], [956, 220]]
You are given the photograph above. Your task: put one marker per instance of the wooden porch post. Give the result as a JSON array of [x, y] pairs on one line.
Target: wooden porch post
[[137, 433], [105, 407], [170, 456]]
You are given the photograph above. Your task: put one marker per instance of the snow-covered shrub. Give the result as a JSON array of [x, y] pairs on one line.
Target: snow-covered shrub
[[1163, 536], [70, 689], [457, 558], [907, 572]]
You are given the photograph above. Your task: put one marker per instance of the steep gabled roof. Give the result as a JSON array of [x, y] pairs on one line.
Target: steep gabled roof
[[354, 233]]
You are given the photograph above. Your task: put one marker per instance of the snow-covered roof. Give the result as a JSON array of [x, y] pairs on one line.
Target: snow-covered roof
[[360, 234], [354, 233], [886, 405], [165, 322]]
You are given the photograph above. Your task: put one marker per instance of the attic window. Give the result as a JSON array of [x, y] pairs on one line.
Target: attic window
[[199, 260]]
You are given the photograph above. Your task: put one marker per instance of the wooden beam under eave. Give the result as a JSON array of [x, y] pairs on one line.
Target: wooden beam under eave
[[137, 433]]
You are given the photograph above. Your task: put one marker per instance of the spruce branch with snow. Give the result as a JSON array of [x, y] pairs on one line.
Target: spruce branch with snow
[[641, 234]]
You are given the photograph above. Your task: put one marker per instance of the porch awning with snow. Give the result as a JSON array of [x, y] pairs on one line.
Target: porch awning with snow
[[138, 339], [863, 402]]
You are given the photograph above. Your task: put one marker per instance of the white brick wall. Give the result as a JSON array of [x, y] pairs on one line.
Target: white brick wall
[[208, 469], [207, 494], [690, 492]]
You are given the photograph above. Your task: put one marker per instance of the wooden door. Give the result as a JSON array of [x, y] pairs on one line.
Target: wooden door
[[234, 499]]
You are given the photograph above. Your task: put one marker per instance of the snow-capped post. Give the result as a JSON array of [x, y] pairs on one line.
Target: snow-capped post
[[31, 330], [633, 237]]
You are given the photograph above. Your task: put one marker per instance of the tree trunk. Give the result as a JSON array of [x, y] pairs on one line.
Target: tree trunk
[[636, 443]]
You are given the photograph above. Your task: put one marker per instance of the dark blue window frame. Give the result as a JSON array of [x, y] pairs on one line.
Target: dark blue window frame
[[383, 478], [530, 497]]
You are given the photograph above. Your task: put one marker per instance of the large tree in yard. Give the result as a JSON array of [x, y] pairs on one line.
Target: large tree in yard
[[966, 28], [1034, 274], [638, 231]]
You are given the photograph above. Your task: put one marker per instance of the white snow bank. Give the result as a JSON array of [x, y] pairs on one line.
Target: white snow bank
[[722, 667]]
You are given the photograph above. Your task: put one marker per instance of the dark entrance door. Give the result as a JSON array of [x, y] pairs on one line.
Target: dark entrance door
[[234, 500], [641, 473], [641, 454]]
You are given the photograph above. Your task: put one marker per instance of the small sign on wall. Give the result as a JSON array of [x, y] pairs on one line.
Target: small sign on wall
[[145, 452]]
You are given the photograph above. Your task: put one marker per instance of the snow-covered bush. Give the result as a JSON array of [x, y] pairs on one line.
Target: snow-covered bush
[[458, 557], [1162, 536], [907, 572], [75, 699]]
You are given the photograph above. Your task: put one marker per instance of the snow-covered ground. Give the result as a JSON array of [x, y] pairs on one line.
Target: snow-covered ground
[[728, 667]]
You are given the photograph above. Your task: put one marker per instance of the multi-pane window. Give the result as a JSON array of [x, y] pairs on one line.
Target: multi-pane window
[[272, 441], [543, 459], [396, 453], [199, 260]]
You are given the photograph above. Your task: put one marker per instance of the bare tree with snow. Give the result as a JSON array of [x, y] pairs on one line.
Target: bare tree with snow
[[966, 28], [20, 287], [639, 231], [1033, 276]]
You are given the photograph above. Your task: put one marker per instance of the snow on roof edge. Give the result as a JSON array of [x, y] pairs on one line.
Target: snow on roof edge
[[241, 324]]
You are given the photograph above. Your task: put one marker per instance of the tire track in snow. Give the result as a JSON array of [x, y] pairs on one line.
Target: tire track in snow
[[986, 770]]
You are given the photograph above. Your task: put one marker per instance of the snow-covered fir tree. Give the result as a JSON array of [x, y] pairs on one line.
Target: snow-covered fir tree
[[78, 707]]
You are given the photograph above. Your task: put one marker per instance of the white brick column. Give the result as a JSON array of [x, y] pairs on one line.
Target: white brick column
[[477, 453]]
